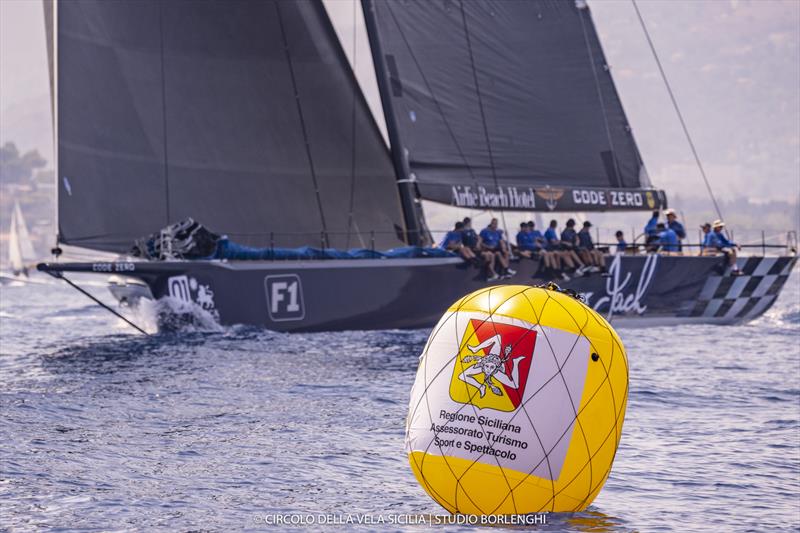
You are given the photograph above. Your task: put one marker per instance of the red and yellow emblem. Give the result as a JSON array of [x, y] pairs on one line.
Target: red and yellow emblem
[[492, 365]]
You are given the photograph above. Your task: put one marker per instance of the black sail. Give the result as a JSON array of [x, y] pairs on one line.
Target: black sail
[[244, 115], [507, 104]]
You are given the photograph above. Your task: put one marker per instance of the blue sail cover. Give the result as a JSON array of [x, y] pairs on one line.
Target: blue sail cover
[[508, 104], [227, 249]]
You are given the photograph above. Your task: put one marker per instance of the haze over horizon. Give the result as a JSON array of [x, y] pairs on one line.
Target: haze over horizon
[[734, 66]]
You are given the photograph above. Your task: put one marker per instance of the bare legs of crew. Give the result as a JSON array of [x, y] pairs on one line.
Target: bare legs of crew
[[502, 257], [488, 260], [730, 253], [551, 260], [466, 253], [592, 258]]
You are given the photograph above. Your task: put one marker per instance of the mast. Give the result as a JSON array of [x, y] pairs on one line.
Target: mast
[[405, 182]]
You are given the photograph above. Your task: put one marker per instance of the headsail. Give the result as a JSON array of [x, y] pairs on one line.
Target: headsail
[[243, 115], [507, 104]]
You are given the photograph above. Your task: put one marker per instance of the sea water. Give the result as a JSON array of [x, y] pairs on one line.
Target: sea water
[[235, 428]]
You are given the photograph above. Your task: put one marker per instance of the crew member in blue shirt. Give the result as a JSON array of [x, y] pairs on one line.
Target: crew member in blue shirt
[[468, 235], [708, 245], [569, 243], [537, 245], [494, 241], [667, 239], [553, 244], [526, 244], [586, 250], [721, 243], [621, 244], [472, 240], [677, 227], [651, 231], [453, 241]]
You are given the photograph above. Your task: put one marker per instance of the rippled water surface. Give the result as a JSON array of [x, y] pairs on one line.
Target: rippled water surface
[[103, 428]]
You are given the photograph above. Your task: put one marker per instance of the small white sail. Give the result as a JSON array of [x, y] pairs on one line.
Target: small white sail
[[14, 249], [25, 244]]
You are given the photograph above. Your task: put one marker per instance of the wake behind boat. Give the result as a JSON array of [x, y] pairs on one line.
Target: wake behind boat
[[265, 136]]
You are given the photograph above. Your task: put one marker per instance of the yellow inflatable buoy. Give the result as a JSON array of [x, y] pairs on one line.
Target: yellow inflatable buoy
[[518, 403]]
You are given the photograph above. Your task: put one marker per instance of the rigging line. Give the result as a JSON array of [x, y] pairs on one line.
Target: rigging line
[[483, 114], [302, 123], [164, 109], [60, 275], [350, 220], [433, 96], [678, 112], [600, 95]]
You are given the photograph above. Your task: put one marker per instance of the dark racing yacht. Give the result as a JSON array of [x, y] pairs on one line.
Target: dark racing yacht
[[246, 116]]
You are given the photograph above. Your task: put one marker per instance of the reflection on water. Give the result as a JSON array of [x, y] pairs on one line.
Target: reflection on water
[[196, 429]]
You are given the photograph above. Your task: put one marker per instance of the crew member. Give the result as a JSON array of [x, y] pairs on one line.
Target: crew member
[[667, 239], [707, 245], [651, 232], [677, 227], [586, 250], [550, 259], [468, 235], [493, 241], [553, 244], [569, 243], [721, 243], [621, 244], [526, 245], [453, 241]]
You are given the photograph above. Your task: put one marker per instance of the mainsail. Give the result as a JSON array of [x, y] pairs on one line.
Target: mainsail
[[506, 104], [243, 115]]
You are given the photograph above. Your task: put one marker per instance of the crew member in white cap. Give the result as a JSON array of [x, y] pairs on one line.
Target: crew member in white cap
[[674, 225], [721, 243]]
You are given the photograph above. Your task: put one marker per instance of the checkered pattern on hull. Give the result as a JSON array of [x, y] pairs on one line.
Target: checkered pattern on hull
[[744, 297]]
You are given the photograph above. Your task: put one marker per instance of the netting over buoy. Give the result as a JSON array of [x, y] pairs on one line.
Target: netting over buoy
[[518, 403]]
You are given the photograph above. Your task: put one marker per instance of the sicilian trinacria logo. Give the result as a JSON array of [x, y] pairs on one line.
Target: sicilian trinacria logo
[[492, 365]]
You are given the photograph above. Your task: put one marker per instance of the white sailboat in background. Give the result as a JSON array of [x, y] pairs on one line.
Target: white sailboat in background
[[20, 248]]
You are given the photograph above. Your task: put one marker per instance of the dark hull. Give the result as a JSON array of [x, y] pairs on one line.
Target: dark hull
[[413, 293]]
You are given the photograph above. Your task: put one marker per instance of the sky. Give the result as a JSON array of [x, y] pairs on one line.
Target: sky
[[734, 66]]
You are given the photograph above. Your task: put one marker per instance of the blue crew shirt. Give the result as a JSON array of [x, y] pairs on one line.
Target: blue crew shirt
[[452, 237], [709, 241], [585, 240], [650, 228], [527, 241], [492, 237], [537, 238], [469, 238], [720, 241], [621, 246], [551, 238], [668, 240], [678, 228], [568, 235]]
